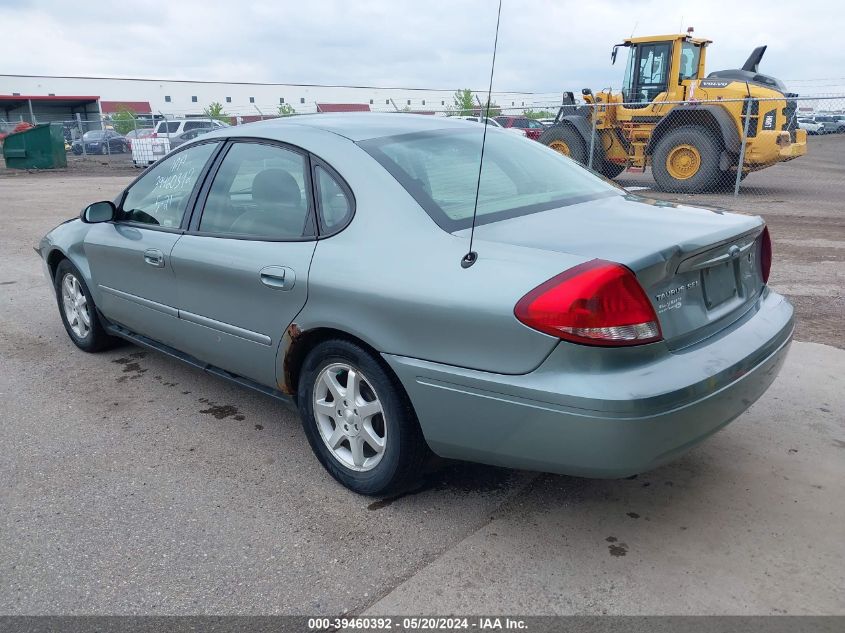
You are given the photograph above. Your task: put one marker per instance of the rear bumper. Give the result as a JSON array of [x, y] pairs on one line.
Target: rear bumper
[[599, 412]]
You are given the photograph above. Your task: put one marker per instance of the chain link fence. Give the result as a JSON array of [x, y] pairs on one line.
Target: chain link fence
[[738, 146]]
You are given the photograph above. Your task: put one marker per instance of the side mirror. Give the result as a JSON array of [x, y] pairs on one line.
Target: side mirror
[[98, 212]]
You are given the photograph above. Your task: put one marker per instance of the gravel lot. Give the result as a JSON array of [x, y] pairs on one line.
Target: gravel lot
[[131, 484]]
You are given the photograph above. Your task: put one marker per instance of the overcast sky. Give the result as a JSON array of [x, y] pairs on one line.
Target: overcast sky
[[544, 45]]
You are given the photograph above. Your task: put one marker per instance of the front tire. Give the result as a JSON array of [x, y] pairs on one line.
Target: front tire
[[358, 419], [567, 141], [686, 160], [78, 312]]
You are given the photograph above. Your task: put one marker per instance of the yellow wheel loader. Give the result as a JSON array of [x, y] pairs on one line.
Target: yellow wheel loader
[[686, 126]]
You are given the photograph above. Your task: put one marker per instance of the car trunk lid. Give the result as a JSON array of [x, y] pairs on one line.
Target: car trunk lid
[[699, 267]]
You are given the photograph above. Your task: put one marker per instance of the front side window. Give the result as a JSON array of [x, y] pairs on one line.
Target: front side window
[[690, 54], [160, 197], [259, 191], [653, 66], [334, 205], [628, 79], [646, 72], [440, 170]]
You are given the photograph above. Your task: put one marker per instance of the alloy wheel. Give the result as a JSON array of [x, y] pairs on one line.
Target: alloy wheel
[[75, 305], [350, 417]]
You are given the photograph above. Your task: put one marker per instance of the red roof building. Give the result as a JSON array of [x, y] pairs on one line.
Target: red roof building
[[138, 107]]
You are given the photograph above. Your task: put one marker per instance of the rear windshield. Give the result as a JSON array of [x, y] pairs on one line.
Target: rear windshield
[[440, 170], [194, 125]]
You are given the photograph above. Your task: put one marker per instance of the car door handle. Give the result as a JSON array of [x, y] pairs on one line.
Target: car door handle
[[154, 257], [277, 277]]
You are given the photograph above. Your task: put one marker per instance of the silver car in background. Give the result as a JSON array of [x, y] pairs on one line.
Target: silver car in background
[[318, 259]]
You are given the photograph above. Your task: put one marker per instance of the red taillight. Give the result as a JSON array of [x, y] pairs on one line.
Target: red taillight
[[596, 303], [765, 255]]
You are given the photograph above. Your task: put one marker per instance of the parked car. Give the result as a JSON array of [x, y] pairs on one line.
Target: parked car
[[533, 129], [327, 262], [174, 127], [184, 137], [491, 122], [101, 142], [143, 132], [811, 126], [833, 124]]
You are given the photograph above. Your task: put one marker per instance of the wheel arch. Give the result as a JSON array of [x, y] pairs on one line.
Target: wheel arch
[[56, 255], [54, 258], [298, 342], [712, 117]]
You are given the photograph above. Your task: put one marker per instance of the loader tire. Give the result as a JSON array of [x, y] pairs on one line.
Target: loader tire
[[567, 141], [611, 170], [686, 160]]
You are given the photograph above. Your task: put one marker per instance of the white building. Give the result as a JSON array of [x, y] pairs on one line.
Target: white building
[[173, 98]]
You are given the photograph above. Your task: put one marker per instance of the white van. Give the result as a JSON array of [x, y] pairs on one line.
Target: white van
[[173, 127]]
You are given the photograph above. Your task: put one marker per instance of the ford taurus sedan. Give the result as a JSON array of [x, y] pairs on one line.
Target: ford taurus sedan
[[318, 259]]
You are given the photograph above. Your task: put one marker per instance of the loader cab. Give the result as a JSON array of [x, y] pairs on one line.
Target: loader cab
[[660, 65]]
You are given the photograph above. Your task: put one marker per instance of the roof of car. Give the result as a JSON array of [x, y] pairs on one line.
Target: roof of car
[[359, 126]]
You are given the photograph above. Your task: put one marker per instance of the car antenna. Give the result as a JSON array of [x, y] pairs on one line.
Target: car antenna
[[471, 257]]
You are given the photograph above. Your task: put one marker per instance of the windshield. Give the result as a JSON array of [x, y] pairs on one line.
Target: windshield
[[440, 170], [94, 135]]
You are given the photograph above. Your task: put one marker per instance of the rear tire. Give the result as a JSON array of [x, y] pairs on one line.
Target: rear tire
[[368, 438], [78, 312], [686, 160], [567, 141]]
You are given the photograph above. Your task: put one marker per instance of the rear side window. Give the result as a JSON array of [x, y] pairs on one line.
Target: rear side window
[[335, 206], [260, 191], [196, 125], [160, 196], [440, 170], [167, 127]]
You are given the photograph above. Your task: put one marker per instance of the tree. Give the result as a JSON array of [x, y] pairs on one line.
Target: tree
[[286, 109], [215, 111], [492, 109], [124, 120], [463, 103], [539, 114]]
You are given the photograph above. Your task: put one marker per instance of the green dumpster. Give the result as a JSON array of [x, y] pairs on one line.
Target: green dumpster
[[40, 147]]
